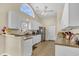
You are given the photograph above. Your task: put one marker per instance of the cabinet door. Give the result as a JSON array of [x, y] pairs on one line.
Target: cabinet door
[[12, 19], [15, 19], [2, 44], [27, 47], [74, 14], [36, 39], [65, 17], [35, 25], [33, 40], [13, 45], [66, 51]]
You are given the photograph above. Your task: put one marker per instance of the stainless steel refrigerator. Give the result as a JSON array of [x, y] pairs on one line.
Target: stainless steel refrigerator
[[42, 31]]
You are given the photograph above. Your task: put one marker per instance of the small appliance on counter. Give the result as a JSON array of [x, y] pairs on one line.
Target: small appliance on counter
[[35, 32]]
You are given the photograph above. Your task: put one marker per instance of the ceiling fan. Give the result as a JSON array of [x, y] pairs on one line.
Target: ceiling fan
[[46, 11]]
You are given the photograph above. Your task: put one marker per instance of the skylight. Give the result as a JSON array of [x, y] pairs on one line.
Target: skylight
[[26, 9]]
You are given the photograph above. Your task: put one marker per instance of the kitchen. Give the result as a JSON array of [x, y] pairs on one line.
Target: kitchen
[[39, 29]]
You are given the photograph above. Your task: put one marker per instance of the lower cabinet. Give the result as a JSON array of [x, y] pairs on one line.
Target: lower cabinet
[[2, 44], [15, 46], [66, 51], [27, 47], [11, 45], [36, 39]]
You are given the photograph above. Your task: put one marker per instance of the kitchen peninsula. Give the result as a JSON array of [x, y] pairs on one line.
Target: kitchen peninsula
[[65, 48], [17, 43]]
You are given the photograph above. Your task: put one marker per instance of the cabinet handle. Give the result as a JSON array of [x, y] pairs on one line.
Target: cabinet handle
[[28, 38]]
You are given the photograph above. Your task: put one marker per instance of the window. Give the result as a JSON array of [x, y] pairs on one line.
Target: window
[[26, 9]]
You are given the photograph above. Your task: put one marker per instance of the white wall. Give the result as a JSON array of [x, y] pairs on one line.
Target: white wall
[[49, 21]]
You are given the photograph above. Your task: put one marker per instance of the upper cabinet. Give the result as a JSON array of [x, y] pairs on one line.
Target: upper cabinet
[[65, 17], [35, 25], [15, 19], [12, 19], [70, 17], [74, 14]]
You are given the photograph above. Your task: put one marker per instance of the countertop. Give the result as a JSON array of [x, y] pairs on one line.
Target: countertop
[[24, 37], [66, 43]]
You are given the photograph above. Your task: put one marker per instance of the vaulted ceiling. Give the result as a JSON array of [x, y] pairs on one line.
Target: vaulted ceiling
[[46, 10]]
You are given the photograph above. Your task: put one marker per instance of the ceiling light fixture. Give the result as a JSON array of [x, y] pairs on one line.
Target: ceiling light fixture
[[43, 12]]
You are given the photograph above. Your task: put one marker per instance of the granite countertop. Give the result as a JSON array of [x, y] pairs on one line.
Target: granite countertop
[[21, 35], [66, 43], [24, 37], [17, 33]]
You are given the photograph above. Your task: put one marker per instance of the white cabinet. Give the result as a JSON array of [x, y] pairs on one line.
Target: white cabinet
[[70, 16], [27, 47], [18, 46], [35, 25], [2, 44], [65, 17], [15, 19], [13, 45], [66, 51], [12, 19], [74, 14], [36, 39]]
